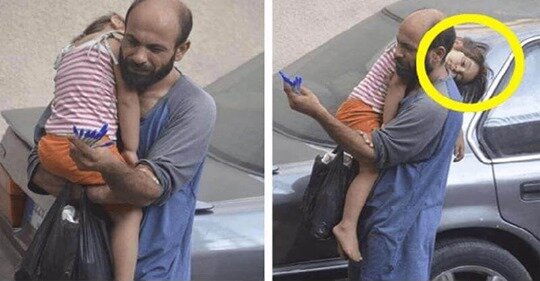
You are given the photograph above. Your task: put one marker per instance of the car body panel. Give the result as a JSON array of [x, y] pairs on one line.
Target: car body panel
[[226, 243], [238, 137], [499, 9]]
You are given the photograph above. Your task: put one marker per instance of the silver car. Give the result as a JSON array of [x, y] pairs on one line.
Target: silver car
[[490, 228]]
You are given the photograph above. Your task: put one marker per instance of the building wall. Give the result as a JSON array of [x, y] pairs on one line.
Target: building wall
[[300, 27], [226, 34]]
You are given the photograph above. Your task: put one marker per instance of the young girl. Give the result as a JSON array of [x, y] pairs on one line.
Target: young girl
[[89, 92], [380, 92]]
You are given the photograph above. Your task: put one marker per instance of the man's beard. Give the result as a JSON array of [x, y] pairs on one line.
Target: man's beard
[[409, 75], [141, 82]]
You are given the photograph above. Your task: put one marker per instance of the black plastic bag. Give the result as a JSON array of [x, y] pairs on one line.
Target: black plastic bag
[[324, 198], [52, 252], [94, 260], [72, 247]]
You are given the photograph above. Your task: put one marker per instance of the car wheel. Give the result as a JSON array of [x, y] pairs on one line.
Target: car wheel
[[473, 259]]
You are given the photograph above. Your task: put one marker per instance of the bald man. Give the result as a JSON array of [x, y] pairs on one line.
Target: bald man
[[177, 118], [413, 152]]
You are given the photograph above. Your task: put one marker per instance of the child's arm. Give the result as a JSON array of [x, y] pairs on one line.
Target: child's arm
[[128, 111], [396, 92]]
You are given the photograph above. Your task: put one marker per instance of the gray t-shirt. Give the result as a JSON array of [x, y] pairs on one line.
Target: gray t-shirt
[[414, 133]]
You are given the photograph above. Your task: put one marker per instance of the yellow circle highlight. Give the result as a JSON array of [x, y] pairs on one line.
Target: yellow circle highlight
[[511, 38]]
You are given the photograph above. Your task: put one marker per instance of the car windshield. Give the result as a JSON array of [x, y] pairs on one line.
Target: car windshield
[[238, 137]]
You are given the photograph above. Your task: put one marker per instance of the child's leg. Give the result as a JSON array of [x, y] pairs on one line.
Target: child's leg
[[125, 241], [357, 194]]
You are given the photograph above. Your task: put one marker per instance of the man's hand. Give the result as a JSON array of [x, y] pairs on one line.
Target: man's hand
[[90, 159], [304, 102]]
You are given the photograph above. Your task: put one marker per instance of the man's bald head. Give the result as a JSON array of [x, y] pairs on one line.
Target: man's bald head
[[424, 19], [410, 33], [174, 8]]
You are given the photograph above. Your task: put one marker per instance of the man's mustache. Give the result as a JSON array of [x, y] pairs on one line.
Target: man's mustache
[[138, 67]]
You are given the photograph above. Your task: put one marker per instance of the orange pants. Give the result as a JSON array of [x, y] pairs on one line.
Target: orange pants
[[53, 151], [358, 115]]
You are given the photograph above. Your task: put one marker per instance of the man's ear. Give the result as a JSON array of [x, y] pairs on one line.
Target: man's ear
[[438, 55], [182, 50]]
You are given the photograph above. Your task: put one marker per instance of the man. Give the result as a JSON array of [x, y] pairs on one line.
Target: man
[[413, 152], [177, 118]]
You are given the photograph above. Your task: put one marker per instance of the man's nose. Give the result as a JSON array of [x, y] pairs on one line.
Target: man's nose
[[398, 53], [139, 57]]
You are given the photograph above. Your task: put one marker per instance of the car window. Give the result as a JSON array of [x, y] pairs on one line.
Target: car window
[[513, 128]]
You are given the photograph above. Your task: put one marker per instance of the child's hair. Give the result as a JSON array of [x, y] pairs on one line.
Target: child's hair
[[474, 90], [96, 26]]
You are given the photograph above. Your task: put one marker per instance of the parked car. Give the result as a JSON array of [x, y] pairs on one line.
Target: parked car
[[228, 231], [490, 229]]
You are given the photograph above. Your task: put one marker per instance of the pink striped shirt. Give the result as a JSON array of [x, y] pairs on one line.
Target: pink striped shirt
[[373, 88], [85, 89]]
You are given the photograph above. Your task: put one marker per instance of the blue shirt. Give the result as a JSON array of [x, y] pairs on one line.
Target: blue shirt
[[399, 223], [174, 139]]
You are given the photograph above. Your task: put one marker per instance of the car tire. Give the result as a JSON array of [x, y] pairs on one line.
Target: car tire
[[455, 258]]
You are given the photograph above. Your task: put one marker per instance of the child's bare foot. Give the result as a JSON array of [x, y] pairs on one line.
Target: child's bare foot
[[341, 253], [347, 241]]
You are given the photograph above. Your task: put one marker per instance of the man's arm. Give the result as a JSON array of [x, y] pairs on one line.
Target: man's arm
[[132, 185], [38, 178], [170, 163], [352, 141], [408, 137]]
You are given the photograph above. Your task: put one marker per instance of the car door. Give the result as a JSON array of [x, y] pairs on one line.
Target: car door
[[510, 137]]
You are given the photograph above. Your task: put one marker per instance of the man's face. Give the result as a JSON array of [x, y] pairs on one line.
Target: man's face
[[148, 50], [140, 76], [408, 39]]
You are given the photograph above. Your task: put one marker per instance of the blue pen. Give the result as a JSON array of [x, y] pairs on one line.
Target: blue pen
[[294, 84], [286, 78]]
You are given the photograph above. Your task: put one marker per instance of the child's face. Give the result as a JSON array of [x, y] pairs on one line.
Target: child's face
[[462, 67]]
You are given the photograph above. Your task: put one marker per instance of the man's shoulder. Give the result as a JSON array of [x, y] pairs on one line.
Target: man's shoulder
[[427, 107], [187, 94]]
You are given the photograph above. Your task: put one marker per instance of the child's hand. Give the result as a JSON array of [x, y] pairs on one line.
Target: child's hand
[[459, 149], [130, 157], [366, 137]]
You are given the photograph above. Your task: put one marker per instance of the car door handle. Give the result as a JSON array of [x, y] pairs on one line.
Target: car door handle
[[530, 191]]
